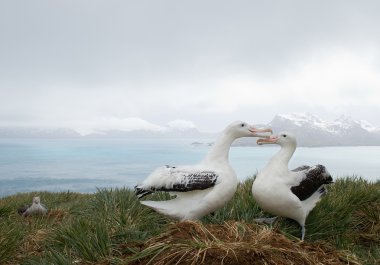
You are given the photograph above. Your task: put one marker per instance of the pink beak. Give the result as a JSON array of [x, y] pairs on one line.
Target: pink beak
[[257, 131], [270, 140]]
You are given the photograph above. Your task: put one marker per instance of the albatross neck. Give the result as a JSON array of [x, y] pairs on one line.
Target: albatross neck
[[220, 149], [283, 156]]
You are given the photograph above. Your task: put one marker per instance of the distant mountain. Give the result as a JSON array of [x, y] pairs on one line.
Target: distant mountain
[[313, 131], [169, 132], [33, 132], [309, 129], [141, 133]]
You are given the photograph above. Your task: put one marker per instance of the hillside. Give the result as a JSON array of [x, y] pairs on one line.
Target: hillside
[[310, 130], [112, 227]]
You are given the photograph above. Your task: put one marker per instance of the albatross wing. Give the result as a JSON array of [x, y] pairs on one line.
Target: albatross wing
[[173, 179], [312, 180]]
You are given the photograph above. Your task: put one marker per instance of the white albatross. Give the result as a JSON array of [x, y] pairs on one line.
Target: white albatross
[[199, 189], [35, 208], [288, 193]]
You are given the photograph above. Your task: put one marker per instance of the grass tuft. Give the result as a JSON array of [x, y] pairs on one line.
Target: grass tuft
[[10, 238], [87, 240]]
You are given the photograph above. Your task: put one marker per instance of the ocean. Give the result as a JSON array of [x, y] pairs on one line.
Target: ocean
[[83, 165]]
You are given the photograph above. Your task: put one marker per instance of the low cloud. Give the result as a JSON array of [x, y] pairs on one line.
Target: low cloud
[[150, 61], [181, 125]]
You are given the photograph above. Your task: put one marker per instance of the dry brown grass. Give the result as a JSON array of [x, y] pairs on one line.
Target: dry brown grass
[[233, 243], [33, 242]]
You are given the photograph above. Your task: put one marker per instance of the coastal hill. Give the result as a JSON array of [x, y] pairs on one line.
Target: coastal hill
[[314, 131], [309, 129]]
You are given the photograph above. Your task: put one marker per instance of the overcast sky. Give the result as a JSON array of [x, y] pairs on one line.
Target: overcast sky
[[74, 63]]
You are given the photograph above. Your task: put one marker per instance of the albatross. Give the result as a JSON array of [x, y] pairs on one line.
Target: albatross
[[198, 189], [36, 208], [288, 193]]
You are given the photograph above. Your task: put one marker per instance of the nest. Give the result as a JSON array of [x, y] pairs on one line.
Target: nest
[[233, 243]]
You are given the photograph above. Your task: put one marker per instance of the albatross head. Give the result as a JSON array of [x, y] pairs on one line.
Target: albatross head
[[242, 129], [282, 139], [36, 200]]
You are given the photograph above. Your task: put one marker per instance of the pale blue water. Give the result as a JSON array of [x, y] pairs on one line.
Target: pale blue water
[[83, 165]]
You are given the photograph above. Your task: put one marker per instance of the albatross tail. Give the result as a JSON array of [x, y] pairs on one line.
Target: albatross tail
[[312, 201], [186, 205], [174, 207]]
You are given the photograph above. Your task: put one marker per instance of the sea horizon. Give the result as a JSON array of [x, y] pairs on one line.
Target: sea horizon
[[84, 165]]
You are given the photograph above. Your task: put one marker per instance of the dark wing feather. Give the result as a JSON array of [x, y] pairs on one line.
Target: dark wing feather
[[188, 181], [315, 177], [195, 181], [140, 192], [301, 168], [23, 209]]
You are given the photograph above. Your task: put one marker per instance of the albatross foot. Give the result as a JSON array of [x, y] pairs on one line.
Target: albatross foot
[[264, 220], [302, 232]]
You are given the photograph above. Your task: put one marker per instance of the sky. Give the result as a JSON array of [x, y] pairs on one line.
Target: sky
[[84, 64]]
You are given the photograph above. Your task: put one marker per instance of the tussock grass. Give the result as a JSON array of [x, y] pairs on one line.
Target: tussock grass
[[10, 238], [85, 239], [112, 227], [232, 243]]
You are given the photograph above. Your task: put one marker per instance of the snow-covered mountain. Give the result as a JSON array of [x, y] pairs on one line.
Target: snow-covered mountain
[[143, 133], [121, 128], [173, 129], [37, 132], [314, 131], [309, 129]]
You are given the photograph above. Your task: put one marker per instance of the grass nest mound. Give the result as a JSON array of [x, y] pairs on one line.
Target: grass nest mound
[[233, 243]]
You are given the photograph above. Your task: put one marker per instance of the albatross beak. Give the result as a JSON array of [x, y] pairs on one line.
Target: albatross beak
[[256, 132], [268, 140]]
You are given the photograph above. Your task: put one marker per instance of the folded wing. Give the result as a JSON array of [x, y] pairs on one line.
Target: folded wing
[[172, 179], [312, 179]]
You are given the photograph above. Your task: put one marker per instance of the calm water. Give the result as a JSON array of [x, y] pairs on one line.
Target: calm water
[[86, 164]]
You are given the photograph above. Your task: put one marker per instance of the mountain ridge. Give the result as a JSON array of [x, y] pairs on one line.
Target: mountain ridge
[[310, 130]]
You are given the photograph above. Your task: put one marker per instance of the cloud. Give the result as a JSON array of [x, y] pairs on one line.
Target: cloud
[[181, 125], [100, 125], [85, 127], [333, 78], [210, 62]]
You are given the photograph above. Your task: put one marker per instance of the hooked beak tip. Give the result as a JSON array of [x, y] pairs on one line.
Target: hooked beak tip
[[267, 140], [256, 132]]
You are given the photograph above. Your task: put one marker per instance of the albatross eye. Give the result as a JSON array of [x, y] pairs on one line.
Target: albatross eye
[[242, 125], [284, 135]]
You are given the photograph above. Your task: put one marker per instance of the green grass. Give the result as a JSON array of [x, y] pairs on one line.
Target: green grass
[[112, 227]]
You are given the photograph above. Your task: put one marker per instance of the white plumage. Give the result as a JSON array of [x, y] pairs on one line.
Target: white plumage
[[199, 189], [35, 208], [289, 193]]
